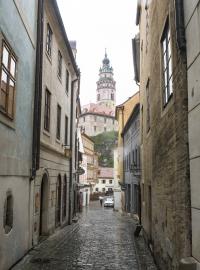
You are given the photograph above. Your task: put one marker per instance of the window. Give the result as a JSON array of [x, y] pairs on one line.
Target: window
[[105, 129], [59, 64], [110, 181], [58, 122], [103, 181], [67, 81], [98, 97], [47, 110], [66, 130], [148, 106], [97, 189], [95, 128], [84, 119], [112, 96], [167, 64], [136, 157], [104, 119], [8, 213], [49, 40], [103, 189], [95, 118], [8, 81]]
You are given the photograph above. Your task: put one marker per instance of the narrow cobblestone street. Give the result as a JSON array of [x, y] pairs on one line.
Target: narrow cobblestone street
[[101, 240]]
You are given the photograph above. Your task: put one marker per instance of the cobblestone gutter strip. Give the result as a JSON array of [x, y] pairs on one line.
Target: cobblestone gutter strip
[[143, 255], [146, 260], [47, 246]]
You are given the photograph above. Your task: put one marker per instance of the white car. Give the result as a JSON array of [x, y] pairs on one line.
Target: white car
[[108, 202]]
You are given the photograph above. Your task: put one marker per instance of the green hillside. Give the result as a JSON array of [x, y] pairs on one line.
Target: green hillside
[[104, 145]]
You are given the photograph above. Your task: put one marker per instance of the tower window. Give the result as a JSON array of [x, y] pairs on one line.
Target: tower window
[[98, 97], [112, 96]]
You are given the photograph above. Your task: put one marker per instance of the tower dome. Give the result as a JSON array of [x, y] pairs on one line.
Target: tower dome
[[106, 61]]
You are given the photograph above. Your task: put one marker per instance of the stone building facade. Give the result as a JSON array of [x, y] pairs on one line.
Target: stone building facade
[[99, 117], [17, 87], [192, 27], [90, 165], [55, 182], [164, 134], [131, 153]]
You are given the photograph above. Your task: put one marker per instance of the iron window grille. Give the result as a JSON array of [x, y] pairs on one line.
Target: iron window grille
[[167, 64], [49, 40]]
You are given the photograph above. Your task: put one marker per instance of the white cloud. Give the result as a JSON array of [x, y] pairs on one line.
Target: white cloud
[[96, 25]]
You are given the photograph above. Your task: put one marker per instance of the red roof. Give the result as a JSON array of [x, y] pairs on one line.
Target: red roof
[[97, 108], [104, 172]]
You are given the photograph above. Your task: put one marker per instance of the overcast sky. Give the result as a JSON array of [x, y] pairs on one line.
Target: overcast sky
[[96, 25]]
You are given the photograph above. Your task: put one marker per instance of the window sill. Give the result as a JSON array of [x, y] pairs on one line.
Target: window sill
[[45, 132], [167, 106], [58, 141], [7, 121]]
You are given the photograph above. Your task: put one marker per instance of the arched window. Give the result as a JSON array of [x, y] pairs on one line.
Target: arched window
[[8, 213]]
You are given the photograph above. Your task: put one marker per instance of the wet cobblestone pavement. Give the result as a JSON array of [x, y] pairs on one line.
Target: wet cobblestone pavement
[[101, 240]]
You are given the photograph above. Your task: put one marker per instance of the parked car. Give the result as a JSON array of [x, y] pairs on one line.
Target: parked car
[[108, 202]]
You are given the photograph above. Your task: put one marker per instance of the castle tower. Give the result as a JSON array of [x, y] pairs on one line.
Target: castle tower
[[106, 92]]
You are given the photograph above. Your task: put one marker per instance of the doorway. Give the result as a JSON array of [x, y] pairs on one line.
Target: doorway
[[43, 229]]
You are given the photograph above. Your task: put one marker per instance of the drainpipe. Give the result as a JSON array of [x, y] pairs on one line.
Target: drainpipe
[[36, 114], [180, 26], [38, 92], [71, 149]]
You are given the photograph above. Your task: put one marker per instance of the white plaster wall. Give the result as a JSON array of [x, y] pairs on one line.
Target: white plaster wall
[[53, 165], [52, 158], [100, 185], [90, 123], [17, 242]]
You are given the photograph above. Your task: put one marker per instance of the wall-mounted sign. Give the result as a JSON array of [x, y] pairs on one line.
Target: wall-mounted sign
[[80, 171]]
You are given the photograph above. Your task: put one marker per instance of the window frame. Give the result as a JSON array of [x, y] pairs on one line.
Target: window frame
[[49, 38], [59, 64], [58, 125], [67, 81], [148, 116], [66, 129], [167, 69], [47, 111], [10, 77]]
